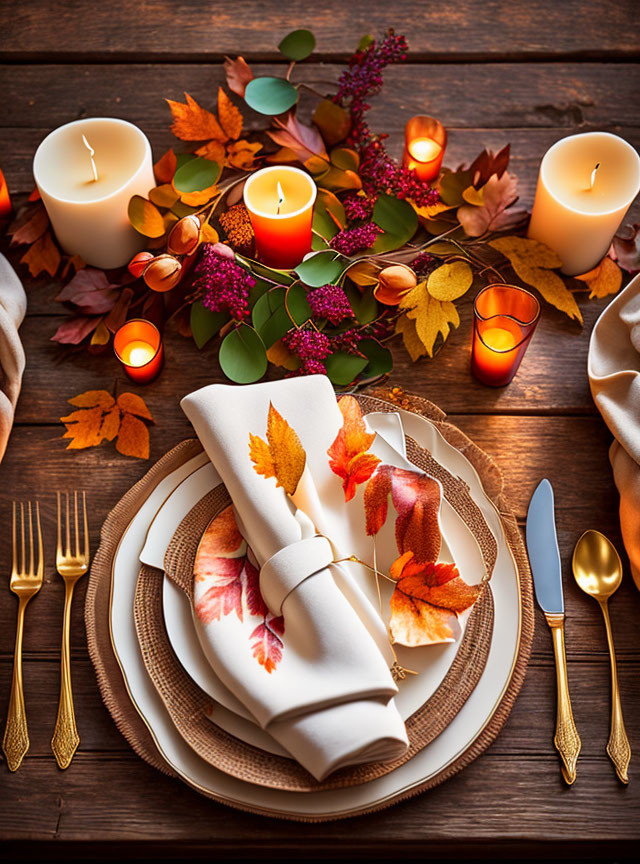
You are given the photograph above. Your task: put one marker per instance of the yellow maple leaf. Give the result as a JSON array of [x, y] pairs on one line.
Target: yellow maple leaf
[[229, 116], [450, 281], [407, 327], [432, 317], [281, 456], [534, 264], [191, 122], [604, 279]]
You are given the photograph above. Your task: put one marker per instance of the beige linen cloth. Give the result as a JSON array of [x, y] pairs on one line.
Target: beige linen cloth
[[13, 305], [330, 702], [614, 375]]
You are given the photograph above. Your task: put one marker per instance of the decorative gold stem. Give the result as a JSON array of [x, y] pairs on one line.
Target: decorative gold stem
[[618, 747], [15, 743], [65, 735], [566, 740]]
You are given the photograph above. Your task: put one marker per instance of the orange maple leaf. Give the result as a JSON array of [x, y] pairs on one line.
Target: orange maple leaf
[[348, 456], [212, 150], [43, 255], [191, 122], [230, 117], [102, 418], [281, 455]]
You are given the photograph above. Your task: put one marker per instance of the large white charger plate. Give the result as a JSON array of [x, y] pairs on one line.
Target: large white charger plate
[[447, 747]]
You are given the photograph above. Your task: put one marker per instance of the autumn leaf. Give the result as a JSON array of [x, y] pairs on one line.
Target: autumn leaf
[[281, 455], [534, 263], [486, 164], [304, 141], [73, 330], [604, 279], [29, 225], [223, 595], [165, 167], [44, 255], [450, 281], [191, 122], [266, 645], [213, 150], [241, 154], [222, 537], [497, 195], [376, 499], [432, 317], [238, 74], [229, 116], [100, 417], [90, 291], [625, 248], [406, 327], [348, 455]]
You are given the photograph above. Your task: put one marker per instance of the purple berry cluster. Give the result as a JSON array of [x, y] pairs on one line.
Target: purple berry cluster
[[346, 341], [358, 208], [352, 240], [423, 264], [381, 173], [330, 302], [311, 347], [223, 283]]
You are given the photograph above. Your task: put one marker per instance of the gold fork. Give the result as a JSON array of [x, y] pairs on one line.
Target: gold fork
[[71, 566], [25, 584]]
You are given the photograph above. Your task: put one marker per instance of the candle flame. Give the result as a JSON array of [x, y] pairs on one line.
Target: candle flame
[[280, 198], [593, 175], [91, 155]]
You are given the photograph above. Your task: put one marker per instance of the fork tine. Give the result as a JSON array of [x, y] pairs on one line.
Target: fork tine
[[15, 543], [31, 570], [40, 570], [59, 545], [22, 548], [75, 522], [68, 528], [86, 526]]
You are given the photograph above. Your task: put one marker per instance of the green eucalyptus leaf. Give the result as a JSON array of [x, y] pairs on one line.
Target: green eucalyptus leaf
[[329, 216], [318, 243], [342, 368], [364, 305], [243, 357], [257, 270], [345, 159], [145, 217], [260, 287], [270, 95], [196, 175], [397, 219], [272, 313], [452, 184], [333, 121], [205, 324], [380, 359], [183, 158], [320, 268], [298, 45]]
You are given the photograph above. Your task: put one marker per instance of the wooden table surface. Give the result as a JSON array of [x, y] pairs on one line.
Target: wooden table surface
[[493, 71]]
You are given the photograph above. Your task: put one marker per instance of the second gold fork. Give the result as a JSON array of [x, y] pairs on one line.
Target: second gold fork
[[71, 564]]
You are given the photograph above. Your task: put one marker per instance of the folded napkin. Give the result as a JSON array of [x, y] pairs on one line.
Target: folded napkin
[[614, 375], [13, 305], [329, 700]]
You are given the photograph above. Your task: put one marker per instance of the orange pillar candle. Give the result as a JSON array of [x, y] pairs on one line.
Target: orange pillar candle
[[5, 200], [425, 140], [505, 318], [138, 346], [280, 202]]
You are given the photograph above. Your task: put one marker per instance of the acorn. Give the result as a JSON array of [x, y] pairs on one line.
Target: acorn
[[138, 263], [184, 236], [394, 282], [163, 273]]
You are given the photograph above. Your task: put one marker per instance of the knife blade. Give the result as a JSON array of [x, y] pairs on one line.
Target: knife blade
[[542, 546]]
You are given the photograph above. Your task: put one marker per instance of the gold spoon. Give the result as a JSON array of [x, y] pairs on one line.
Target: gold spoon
[[598, 571]]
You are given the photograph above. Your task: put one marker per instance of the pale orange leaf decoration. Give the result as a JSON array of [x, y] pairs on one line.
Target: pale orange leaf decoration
[[191, 122], [100, 418], [348, 456], [281, 455]]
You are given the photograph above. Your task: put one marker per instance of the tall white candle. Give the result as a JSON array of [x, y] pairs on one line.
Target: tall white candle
[[578, 208], [89, 215]]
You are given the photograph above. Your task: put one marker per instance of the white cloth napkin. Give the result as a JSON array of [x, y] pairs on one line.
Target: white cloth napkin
[[614, 375], [13, 305], [330, 701]]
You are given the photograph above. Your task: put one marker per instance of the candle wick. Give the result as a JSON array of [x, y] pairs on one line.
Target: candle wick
[[280, 198], [91, 154], [593, 175]]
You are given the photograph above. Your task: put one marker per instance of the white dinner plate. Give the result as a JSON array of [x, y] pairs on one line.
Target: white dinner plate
[[453, 741]]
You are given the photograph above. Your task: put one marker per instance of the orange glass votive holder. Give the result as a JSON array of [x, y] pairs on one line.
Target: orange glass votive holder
[[505, 318], [280, 202], [425, 141], [138, 346], [5, 200]]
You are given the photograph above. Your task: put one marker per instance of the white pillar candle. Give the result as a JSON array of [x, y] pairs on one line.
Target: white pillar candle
[[88, 215], [579, 207]]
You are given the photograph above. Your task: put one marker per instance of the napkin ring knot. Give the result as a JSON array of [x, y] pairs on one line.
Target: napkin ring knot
[[290, 566]]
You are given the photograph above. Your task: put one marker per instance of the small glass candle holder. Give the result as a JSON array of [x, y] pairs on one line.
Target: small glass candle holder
[[138, 346], [505, 318], [5, 200], [425, 140]]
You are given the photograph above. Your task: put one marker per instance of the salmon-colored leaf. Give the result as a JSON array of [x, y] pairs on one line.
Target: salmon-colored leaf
[[376, 499], [266, 645], [416, 498], [414, 623], [29, 225], [238, 74], [348, 456], [191, 122], [73, 330], [225, 592]]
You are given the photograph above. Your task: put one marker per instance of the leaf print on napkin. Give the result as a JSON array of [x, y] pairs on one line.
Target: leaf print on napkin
[[348, 456], [232, 584], [281, 455]]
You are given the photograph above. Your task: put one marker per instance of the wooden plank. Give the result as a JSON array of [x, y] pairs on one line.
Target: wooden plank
[[569, 96], [496, 797], [470, 29], [526, 448]]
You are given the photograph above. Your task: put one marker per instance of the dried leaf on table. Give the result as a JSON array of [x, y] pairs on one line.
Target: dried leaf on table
[[133, 437], [604, 279], [534, 263], [165, 167], [433, 317], [90, 291], [191, 122], [450, 281], [348, 455], [93, 399], [229, 116], [238, 74], [281, 455], [74, 330], [241, 154], [486, 164], [407, 328], [130, 403], [497, 195], [213, 150], [100, 417], [30, 224], [304, 141], [43, 256]]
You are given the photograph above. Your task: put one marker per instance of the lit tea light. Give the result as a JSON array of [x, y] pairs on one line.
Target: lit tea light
[[505, 318], [280, 202], [578, 208], [138, 346], [425, 141]]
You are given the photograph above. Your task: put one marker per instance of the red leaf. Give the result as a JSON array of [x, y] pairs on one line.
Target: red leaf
[[255, 601], [74, 330], [348, 456], [29, 225], [266, 645], [225, 594], [238, 74], [90, 291], [416, 498], [376, 499], [305, 141]]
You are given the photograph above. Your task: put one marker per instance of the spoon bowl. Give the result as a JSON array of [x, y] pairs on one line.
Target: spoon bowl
[[597, 567]]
